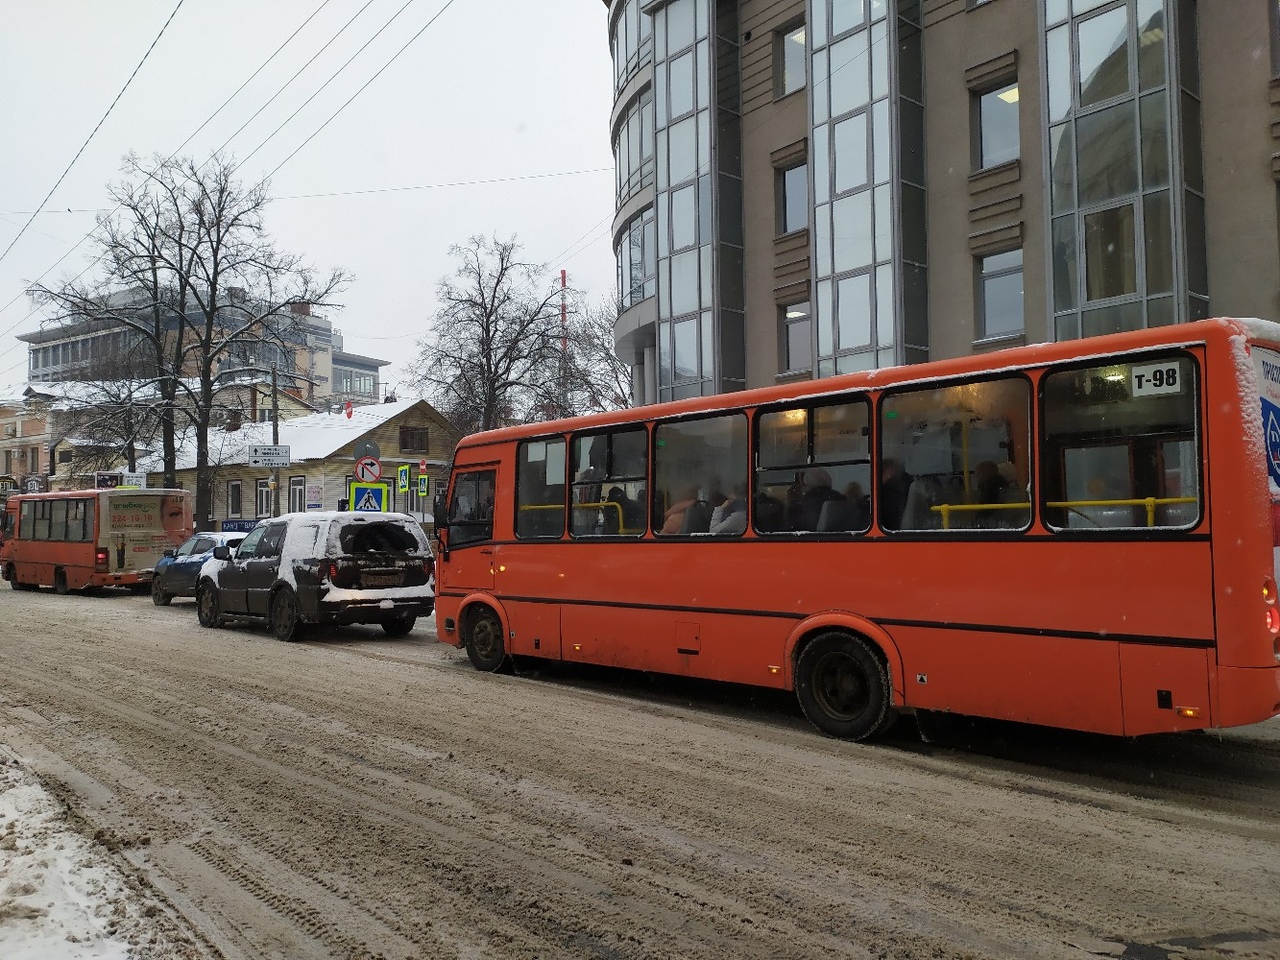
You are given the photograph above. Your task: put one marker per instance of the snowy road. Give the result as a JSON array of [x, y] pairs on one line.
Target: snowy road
[[360, 797]]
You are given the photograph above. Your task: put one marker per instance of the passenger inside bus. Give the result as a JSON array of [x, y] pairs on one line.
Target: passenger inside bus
[[673, 520], [730, 516], [894, 487], [816, 491]]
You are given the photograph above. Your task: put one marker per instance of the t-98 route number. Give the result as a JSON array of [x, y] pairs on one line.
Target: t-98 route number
[[1153, 379]]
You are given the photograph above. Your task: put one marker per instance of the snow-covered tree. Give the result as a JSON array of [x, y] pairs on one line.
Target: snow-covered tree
[[189, 271]]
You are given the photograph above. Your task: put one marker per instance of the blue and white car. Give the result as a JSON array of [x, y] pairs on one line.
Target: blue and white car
[[177, 570]]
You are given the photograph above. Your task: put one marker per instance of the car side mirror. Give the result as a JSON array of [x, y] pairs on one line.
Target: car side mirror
[[222, 553], [171, 552]]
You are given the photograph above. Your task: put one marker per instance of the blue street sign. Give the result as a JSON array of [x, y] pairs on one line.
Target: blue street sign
[[370, 497]]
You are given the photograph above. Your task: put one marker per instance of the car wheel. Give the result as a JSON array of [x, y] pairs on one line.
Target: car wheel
[[843, 687], [400, 625], [158, 596], [60, 582], [484, 641], [208, 605], [285, 624]]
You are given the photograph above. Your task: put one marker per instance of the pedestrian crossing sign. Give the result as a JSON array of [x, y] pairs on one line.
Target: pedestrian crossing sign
[[370, 497], [402, 478], [423, 484]]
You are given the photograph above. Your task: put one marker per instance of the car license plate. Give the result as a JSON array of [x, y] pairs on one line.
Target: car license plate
[[380, 579]]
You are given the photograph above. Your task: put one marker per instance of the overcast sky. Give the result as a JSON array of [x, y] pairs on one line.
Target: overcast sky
[[517, 91]]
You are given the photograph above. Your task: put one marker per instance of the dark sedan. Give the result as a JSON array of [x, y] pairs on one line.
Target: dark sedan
[[177, 570]]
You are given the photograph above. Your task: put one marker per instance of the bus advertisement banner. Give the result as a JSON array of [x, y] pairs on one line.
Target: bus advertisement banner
[[1267, 364]]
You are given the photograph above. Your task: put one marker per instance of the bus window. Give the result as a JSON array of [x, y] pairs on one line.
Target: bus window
[[955, 457], [698, 465], [540, 489], [58, 520], [471, 510], [813, 469], [608, 483], [1122, 446]]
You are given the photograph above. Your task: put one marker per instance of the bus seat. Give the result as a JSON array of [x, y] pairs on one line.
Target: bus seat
[[697, 518], [837, 515], [770, 513], [922, 495]]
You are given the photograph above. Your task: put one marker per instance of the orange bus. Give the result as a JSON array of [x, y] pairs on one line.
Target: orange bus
[[84, 539], [1083, 535]]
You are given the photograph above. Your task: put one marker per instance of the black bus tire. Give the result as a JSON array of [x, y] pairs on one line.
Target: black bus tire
[[485, 646], [60, 582], [843, 687]]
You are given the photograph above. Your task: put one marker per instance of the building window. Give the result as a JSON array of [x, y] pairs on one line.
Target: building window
[[797, 336], [638, 260], [264, 498], [793, 198], [998, 126], [789, 60], [413, 439], [64, 456], [633, 148], [1000, 295], [33, 460], [233, 498], [297, 494]]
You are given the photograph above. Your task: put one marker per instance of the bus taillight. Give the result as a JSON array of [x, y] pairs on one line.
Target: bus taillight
[[101, 560]]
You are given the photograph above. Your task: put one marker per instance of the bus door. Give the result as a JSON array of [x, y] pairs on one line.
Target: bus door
[[469, 536]]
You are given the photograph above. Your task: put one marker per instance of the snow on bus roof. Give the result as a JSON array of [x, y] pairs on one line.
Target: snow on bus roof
[[1019, 358]]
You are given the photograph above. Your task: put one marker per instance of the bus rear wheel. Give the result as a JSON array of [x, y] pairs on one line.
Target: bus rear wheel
[[60, 582], [843, 687], [484, 641]]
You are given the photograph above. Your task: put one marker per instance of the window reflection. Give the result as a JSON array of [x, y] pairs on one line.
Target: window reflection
[[1104, 56], [1110, 253]]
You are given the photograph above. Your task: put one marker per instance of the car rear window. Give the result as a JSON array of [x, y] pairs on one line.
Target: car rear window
[[379, 537]]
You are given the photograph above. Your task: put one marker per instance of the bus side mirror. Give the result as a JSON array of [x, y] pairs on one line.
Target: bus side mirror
[[222, 553]]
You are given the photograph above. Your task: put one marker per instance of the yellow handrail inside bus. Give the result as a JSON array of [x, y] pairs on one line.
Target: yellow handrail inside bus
[[1150, 503], [946, 509]]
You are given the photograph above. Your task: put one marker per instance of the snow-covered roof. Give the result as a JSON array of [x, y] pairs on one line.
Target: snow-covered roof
[[12, 394], [313, 437]]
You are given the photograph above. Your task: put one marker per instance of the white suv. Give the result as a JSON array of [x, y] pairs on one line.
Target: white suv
[[321, 568]]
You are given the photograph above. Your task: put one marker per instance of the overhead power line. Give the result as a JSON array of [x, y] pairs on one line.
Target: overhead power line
[[335, 113], [95, 130]]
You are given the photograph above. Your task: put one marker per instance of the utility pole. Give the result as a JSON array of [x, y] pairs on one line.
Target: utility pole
[[275, 439], [564, 346]]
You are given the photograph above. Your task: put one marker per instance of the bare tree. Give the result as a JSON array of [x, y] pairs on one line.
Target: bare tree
[[598, 379], [493, 354], [193, 277]]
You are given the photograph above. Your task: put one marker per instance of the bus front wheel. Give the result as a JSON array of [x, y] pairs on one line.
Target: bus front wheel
[[843, 687], [484, 641]]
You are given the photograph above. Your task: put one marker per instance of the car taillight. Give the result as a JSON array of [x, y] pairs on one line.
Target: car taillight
[[429, 567], [331, 571], [100, 560]]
